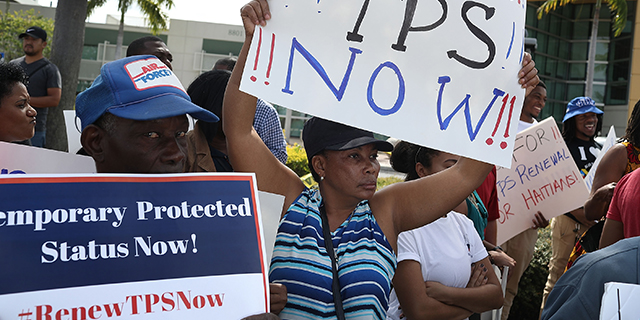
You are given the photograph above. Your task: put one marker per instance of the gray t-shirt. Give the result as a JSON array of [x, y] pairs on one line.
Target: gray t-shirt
[[40, 79]]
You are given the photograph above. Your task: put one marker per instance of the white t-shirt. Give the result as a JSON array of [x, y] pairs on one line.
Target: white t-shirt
[[525, 125], [445, 249]]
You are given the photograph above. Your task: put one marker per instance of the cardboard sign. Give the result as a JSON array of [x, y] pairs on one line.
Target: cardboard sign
[[441, 74], [20, 159], [181, 246], [543, 177], [620, 301], [610, 142]]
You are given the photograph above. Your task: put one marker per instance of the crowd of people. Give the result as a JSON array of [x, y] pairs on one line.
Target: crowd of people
[[419, 249]]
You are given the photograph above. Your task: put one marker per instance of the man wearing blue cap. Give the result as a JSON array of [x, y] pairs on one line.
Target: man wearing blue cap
[[45, 82], [133, 117], [581, 123]]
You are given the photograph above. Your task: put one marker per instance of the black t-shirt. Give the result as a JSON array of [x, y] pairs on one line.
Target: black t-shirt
[[584, 154]]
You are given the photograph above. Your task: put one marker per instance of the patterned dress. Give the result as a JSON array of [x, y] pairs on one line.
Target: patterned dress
[[366, 263]]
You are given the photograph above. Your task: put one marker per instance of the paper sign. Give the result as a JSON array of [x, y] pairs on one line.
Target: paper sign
[[73, 125], [20, 159], [610, 142], [441, 73], [271, 209], [543, 177], [180, 246], [620, 301]]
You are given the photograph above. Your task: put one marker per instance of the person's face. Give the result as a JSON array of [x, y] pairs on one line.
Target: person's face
[[160, 50], [32, 46], [153, 146], [352, 172], [533, 104], [586, 124], [440, 162], [17, 117]]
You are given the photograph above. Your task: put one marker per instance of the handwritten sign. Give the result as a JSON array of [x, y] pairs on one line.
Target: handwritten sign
[[620, 301], [611, 140], [149, 246], [20, 159], [439, 73], [543, 177]]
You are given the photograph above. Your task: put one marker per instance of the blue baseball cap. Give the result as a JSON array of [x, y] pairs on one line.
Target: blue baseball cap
[[137, 88], [580, 105]]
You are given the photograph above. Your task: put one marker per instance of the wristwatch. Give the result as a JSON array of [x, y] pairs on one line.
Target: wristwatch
[[496, 248]]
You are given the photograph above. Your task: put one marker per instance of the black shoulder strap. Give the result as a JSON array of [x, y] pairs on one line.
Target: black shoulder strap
[[38, 69], [328, 244]]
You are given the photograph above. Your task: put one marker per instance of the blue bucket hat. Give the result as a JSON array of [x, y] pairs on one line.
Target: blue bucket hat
[[137, 88], [580, 105]]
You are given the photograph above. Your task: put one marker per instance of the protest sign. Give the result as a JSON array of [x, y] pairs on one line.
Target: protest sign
[[21, 159], [113, 246], [441, 74], [543, 177], [620, 301], [611, 140]]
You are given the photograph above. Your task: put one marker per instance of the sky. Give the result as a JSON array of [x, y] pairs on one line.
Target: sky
[[217, 11]]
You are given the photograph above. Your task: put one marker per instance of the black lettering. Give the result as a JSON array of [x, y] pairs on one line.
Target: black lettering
[[353, 35], [489, 12], [409, 12]]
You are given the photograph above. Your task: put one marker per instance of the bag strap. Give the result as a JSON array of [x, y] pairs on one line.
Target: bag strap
[[38, 69], [328, 244]]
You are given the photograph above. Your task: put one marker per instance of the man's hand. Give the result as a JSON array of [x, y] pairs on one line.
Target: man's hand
[[528, 75], [278, 297], [540, 221]]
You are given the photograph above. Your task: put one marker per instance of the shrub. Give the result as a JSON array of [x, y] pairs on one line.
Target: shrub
[[297, 159], [526, 304]]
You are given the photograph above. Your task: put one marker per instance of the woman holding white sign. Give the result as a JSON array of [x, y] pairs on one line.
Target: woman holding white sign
[[17, 117], [354, 281]]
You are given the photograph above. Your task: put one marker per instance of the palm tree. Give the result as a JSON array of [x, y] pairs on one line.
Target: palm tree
[[152, 9], [618, 10]]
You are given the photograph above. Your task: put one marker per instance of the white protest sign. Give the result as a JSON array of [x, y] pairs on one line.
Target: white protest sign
[[620, 301], [271, 208], [441, 74], [611, 140], [543, 177], [20, 159], [73, 130]]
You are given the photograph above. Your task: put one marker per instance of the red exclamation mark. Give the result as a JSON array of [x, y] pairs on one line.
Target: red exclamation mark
[[503, 144], [273, 44], [255, 64], [493, 134]]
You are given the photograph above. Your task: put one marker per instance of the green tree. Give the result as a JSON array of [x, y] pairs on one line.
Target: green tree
[[14, 23], [618, 11], [152, 9]]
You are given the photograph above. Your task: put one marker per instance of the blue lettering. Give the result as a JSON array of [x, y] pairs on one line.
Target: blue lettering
[[399, 100], [467, 112], [521, 170], [315, 64]]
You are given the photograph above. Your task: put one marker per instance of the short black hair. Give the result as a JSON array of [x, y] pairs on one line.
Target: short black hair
[[10, 74], [229, 63], [137, 46], [569, 128]]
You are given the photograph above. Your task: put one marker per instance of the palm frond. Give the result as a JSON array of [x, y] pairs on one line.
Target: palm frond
[[153, 11], [92, 4], [551, 5], [619, 15]]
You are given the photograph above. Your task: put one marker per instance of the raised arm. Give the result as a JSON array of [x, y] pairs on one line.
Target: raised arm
[[610, 169], [247, 152], [409, 205]]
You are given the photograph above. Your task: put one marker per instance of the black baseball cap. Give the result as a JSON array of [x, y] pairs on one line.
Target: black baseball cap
[[35, 32], [320, 134]]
